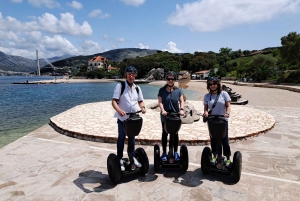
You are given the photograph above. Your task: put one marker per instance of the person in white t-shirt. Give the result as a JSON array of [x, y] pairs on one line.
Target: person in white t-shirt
[[131, 100], [222, 107]]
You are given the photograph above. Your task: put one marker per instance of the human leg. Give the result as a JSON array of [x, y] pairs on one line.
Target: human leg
[[226, 147], [121, 139], [164, 142], [225, 144], [176, 142], [213, 145], [120, 143]]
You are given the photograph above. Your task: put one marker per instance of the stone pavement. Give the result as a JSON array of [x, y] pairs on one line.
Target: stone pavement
[[95, 122], [294, 87], [46, 165]]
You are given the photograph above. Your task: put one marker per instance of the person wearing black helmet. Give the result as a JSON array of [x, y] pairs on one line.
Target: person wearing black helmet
[[170, 99], [130, 100], [222, 107]]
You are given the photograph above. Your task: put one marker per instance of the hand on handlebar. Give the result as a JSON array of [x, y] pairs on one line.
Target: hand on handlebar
[[181, 112], [122, 113], [164, 113]]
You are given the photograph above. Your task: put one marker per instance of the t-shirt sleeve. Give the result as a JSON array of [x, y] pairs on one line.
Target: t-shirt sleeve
[[226, 96], [160, 92], [117, 92], [180, 92], [205, 101], [140, 94]]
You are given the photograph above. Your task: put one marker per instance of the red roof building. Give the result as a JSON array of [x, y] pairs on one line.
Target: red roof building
[[97, 62]]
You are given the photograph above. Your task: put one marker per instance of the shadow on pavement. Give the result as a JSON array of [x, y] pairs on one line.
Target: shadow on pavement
[[87, 181]]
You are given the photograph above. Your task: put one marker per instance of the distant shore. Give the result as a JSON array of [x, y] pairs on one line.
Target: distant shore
[[267, 96]]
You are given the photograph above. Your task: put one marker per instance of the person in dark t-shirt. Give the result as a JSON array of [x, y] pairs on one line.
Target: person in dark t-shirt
[[170, 99]]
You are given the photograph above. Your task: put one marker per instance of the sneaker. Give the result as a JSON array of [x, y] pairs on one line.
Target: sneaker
[[136, 162], [228, 162], [164, 157], [176, 156], [213, 160], [122, 165]]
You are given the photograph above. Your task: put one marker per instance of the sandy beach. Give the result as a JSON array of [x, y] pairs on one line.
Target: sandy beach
[[271, 97]]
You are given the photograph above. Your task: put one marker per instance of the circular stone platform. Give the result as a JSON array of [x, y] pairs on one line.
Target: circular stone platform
[[96, 122]]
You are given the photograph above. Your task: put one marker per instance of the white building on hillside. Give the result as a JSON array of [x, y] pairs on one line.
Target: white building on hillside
[[97, 62]]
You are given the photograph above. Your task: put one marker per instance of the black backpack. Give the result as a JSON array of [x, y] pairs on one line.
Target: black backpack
[[123, 88]]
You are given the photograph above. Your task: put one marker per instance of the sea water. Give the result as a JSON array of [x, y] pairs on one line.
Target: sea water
[[26, 107]]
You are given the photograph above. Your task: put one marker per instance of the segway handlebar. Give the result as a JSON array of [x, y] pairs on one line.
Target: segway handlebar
[[173, 113], [131, 113], [216, 117]]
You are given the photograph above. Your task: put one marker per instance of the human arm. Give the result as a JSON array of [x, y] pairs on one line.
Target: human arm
[[161, 106], [142, 106], [117, 108], [227, 104], [205, 114], [181, 101], [228, 109]]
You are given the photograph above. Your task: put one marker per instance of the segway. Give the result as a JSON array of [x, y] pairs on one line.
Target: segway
[[132, 128], [172, 126], [217, 130]]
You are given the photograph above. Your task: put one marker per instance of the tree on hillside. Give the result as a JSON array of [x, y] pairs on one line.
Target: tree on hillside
[[263, 67], [290, 50]]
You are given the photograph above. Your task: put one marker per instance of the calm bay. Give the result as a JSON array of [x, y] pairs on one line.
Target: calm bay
[[26, 107]]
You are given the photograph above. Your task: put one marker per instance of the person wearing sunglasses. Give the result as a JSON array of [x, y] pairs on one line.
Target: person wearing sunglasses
[[170, 99], [130, 100], [221, 107]]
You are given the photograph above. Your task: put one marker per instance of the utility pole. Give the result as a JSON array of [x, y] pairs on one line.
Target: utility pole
[[38, 72]]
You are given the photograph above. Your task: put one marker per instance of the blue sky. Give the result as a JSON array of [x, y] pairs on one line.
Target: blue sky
[[58, 27]]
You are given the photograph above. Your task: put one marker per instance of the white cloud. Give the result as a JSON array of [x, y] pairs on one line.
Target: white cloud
[[47, 46], [105, 37], [58, 44], [17, 1], [90, 47], [121, 40], [172, 47], [48, 23], [45, 34], [98, 12], [141, 46], [134, 2], [46, 3], [209, 15], [76, 5]]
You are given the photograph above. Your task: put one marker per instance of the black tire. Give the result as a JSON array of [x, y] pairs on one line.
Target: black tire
[[114, 168], [184, 157], [156, 158], [142, 157], [205, 160], [237, 166]]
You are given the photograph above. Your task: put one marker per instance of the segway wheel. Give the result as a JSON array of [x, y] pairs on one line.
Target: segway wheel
[[141, 156], [205, 160], [156, 158], [184, 157], [114, 168], [237, 166]]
